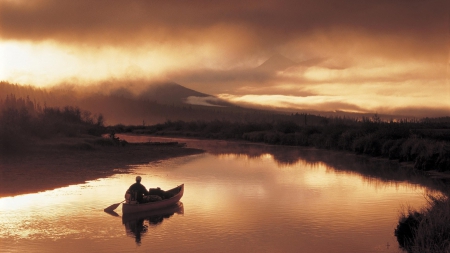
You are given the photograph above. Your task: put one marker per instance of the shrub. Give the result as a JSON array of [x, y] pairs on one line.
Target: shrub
[[427, 230], [346, 139], [301, 139], [286, 127], [12, 141], [358, 145], [287, 139], [272, 138], [254, 136], [407, 229], [394, 150]]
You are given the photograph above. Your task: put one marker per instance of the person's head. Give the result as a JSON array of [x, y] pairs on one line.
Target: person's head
[[138, 179]]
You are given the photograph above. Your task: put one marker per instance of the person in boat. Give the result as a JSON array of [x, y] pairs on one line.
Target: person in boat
[[137, 191]]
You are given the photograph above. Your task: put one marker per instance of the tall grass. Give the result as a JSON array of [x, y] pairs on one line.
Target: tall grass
[[427, 230]]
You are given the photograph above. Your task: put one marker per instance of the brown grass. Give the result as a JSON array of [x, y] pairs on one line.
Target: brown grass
[[430, 227]]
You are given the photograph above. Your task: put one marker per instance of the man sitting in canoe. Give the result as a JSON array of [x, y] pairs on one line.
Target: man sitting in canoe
[[137, 191]]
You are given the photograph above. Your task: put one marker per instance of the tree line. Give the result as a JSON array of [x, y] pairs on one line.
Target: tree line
[[23, 120], [424, 142]]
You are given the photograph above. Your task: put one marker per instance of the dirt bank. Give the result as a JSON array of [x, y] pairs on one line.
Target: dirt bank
[[64, 162]]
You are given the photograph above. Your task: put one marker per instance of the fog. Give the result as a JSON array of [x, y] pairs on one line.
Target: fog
[[383, 56]]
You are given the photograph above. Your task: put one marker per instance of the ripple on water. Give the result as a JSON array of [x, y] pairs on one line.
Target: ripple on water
[[232, 203]]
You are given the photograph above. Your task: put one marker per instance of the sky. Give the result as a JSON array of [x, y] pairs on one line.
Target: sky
[[384, 56]]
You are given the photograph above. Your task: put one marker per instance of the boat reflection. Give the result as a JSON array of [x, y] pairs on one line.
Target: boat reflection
[[137, 224]]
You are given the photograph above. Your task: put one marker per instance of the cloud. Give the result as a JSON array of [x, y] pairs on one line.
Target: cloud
[[232, 32], [265, 24], [309, 103], [419, 111], [367, 53], [205, 101]]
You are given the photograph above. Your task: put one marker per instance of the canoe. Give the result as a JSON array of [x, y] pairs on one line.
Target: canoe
[[177, 193], [165, 213]]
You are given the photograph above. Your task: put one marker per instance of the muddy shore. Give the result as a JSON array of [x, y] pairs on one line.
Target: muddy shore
[[48, 166]]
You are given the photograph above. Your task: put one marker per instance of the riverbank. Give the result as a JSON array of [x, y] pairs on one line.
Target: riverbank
[[426, 230], [59, 162], [425, 143]]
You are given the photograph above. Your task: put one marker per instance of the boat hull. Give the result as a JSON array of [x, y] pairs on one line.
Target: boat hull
[[134, 208], [177, 208]]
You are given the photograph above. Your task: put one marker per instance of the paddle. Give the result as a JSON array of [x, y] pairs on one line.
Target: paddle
[[112, 213], [112, 207]]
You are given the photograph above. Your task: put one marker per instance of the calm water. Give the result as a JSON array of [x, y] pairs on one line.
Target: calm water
[[238, 198]]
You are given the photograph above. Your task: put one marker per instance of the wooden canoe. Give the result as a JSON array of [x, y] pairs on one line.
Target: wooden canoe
[[166, 212], [134, 208]]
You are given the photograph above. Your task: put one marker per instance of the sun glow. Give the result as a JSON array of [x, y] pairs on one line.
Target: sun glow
[[48, 63], [366, 97], [37, 64]]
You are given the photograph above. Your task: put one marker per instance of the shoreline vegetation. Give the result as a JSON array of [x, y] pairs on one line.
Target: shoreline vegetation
[[426, 230], [43, 148], [425, 143], [46, 148]]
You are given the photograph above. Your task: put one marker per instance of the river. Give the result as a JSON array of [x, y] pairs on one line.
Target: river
[[238, 198]]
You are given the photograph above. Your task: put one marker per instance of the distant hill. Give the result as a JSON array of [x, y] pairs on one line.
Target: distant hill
[[156, 104], [170, 93], [175, 94]]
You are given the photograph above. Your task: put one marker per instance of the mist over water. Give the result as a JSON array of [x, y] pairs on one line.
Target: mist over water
[[238, 198]]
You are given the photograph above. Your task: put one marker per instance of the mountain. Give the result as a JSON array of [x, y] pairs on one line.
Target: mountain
[[175, 94], [169, 93], [156, 104], [276, 63]]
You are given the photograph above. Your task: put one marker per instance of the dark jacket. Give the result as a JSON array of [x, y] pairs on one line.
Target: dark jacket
[[137, 191]]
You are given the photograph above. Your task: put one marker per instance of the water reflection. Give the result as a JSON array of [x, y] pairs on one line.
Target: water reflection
[[137, 224], [248, 198], [372, 169]]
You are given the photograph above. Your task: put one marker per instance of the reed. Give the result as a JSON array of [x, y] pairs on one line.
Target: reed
[[427, 230]]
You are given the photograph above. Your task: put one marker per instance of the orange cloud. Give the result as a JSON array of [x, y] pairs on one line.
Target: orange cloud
[[357, 55]]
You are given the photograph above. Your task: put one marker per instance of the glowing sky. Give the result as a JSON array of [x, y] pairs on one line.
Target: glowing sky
[[389, 56]]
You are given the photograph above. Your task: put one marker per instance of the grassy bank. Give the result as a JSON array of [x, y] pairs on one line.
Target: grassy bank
[[425, 143], [427, 230]]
